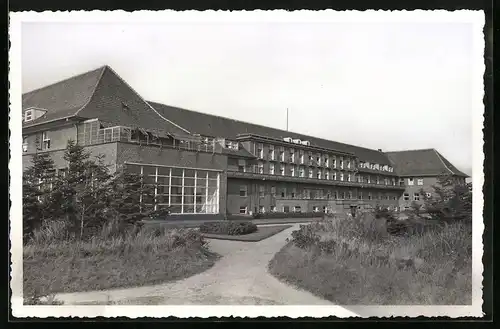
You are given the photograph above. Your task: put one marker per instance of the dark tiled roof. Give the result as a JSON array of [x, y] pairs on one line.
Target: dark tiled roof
[[101, 94], [426, 162], [114, 101], [211, 125], [64, 98]]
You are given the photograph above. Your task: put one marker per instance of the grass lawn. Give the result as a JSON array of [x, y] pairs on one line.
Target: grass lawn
[[351, 264], [144, 259], [263, 232]]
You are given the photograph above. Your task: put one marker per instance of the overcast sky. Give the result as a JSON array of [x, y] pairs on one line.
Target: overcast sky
[[392, 86]]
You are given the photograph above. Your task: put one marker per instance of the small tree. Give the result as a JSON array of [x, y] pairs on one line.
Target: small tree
[[85, 190], [449, 200], [37, 201]]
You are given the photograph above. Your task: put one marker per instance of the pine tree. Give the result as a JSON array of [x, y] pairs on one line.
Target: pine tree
[[37, 202]]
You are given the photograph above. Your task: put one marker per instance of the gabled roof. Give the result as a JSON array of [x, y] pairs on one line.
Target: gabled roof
[[64, 98], [212, 125], [425, 162], [100, 94]]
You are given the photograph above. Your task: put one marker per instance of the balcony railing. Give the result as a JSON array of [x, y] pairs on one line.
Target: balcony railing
[[306, 180]]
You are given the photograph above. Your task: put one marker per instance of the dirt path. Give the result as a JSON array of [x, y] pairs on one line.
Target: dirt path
[[239, 277]]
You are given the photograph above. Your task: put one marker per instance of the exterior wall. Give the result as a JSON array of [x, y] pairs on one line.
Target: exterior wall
[[58, 138], [428, 182], [127, 152], [254, 201], [109, 150]]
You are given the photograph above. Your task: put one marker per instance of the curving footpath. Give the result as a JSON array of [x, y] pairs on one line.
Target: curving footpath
[[240, 277]]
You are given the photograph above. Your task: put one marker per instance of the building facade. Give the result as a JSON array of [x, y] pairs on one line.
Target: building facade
[[203, 164]]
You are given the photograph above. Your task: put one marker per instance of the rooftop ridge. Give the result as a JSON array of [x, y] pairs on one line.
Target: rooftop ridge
[[261, 125], [64, 80], [413, 150]]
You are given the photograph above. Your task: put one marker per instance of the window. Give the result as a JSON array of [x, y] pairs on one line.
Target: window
[[296, 209], [335, 195], [318, 174], [327, 174], [378, 180], [260, 151], [394, 197], [369, 196], [243, 210], [310, 159], [271, 168], [301, 156], [243, 190], [342, 196], [282, 155], [310, 173], [334, 162], [428, 194], [406, 196], [241, 168], [318, 160], [410, 181], [273, 191], [342, 176], [386, 181], [348, 177], [315, 209], [261, 167], [231, 145], [327, 162], [360, 179], [292, 155], [25, 143], [262, 191], [45, 141], [292, 170], [348, 164], [341, 163], [349, 194], [334, 175], [283, 192], [302, 172], [369, 179], [360, 195], [271, 152], [262, 209], [28, 115], [325, 209], [273, 208], [394, 182], [286, 209], [282, 170], [416, 197], [294, 193], [387, 197], [62, 172], [420, 181]]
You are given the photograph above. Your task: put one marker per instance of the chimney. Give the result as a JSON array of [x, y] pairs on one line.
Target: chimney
[[380, 150]]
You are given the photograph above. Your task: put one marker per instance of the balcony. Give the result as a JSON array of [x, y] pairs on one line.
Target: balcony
[[254, 175]]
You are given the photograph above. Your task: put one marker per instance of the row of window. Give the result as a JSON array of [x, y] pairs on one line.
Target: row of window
[[376, 166], [326, 174], [286, 209], [300, 156], [315, 194], [44, 145], [411, 181], [416, 196]]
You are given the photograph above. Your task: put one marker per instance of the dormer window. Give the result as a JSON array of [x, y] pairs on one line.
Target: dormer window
[[28, 115]]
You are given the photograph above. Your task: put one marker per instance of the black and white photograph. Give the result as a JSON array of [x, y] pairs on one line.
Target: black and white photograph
[[266, 163]]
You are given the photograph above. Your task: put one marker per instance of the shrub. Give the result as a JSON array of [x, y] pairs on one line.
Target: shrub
[[228, 227]]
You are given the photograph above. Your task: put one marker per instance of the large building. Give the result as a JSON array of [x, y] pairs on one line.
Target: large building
[[206, 164]]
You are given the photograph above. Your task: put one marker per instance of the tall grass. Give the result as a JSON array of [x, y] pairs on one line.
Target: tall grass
[[355, 261], [54, 262]]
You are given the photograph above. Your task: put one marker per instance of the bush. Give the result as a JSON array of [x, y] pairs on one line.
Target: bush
[[343, 261], [228, 227], [147, 256]]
